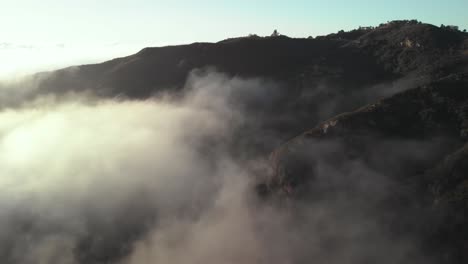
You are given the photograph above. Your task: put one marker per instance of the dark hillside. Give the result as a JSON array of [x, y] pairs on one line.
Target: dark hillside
[[415, 140]]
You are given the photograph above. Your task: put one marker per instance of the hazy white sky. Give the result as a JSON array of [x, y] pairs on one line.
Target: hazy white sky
[[45, 34]]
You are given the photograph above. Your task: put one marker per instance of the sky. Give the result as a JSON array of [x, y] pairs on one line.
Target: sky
[[39, 35]]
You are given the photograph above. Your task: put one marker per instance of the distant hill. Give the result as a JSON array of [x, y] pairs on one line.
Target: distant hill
[[359, 57], [356, 67]]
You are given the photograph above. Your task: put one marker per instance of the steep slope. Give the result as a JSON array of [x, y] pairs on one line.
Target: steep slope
[[387, 153]]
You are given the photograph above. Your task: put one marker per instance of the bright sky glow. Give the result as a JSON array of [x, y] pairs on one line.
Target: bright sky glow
[[47, 34]]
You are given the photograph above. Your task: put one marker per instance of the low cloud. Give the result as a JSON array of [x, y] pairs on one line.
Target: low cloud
[[171, 180], [81, 177]]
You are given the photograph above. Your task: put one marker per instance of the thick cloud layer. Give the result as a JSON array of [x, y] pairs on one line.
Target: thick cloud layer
[[87, 180], [82, 180]]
